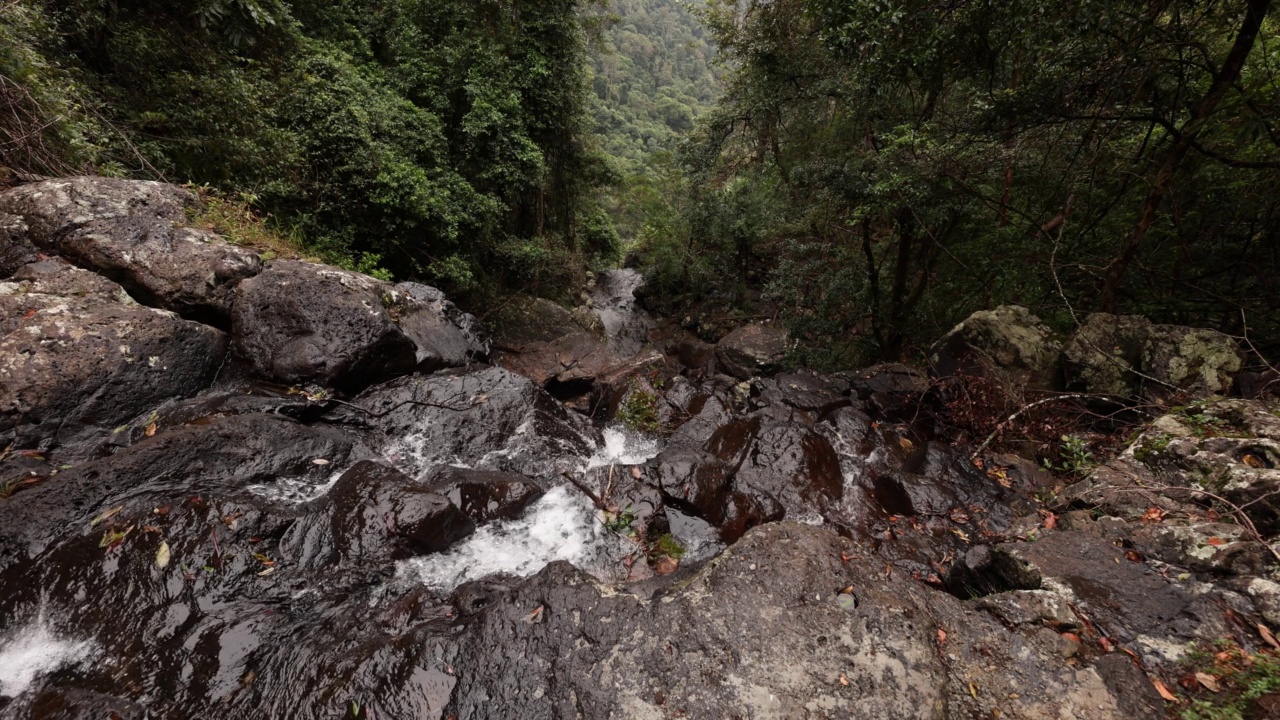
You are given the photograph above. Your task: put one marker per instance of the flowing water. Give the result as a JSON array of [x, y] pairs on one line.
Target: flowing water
[[626, 324]]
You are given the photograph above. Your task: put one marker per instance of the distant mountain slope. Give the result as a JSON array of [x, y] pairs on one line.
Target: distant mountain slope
[[653, 77]]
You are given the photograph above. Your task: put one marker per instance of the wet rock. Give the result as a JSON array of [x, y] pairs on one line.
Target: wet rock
[[567, 366], [696, 356], [804, 390], [694, 480], [1230, 448], [300, 322], [763, 635], [752, 350], [624, 323], [445, 336], [377, 511], [1008, 343], [1216, 548], [1193, 359], [613, 384], [134, 233], [1127, 602], [1104, 354], [485, 495], [484, 417], [1030, 607], [78, 357], [219, 455], [892, 390], [15, 249]]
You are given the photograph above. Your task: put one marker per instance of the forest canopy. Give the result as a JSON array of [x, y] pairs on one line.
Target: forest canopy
[[442, 139], [882, 168]]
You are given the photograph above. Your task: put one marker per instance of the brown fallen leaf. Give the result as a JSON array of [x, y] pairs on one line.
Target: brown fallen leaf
[[533, 616], [1071, 636], [1266, 634], [1106, 644], [28, 314], [942, 636], [1050, 521], [1134, 556], [1216, 541], [150, 431], [1153, 515], [1164, 690], [665, 565], [1209, 682], [635, 473], [905, 443], [1253, 461], [843, 679]]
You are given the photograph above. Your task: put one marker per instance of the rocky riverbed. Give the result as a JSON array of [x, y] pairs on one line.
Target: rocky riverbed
[[245, 489]]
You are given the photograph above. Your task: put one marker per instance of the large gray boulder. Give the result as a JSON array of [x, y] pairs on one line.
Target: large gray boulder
[[300, 322], [561, 350], [1104, 354], [445, 335], [1129, 356], [1204, 362], [752, 350], [1008, 343], [791, 622], [78, 356], [132, 232]]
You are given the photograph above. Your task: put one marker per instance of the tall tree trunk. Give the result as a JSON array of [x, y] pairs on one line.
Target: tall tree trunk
[[1255, 13]]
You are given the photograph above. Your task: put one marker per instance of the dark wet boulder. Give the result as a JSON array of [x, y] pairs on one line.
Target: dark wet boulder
[[811, 393], [483, 417], [892, 391], [221, 456], [78, 356], [752, 350], [300, 322], [135, 233], [791, 622], [445, 336], [1009, 344], [378, 511], [485, 495]]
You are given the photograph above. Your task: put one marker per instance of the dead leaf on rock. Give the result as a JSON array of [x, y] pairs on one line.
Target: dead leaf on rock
[[150, 431], [1164, 690], [162, 555], [1208, 681], [843, 680], [942, 636], [1253, 461], [1266, 634], [1050, 521], [1153, 515], [1216, 541]]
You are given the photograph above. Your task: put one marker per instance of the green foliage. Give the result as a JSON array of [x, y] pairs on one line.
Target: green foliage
[[1242, 679], [639, 410], [1074, 456], [654, 74], [621, 522], [912, 162], [441, 139], [668, 546]]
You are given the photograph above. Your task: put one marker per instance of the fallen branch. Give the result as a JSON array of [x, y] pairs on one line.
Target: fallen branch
[[1005, 423]]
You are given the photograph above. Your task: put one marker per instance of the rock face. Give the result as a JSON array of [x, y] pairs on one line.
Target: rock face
[[78, 356], [1007, 342], [1104, 355], [300, 322], [752, 350], [549, 345], [1128, 356], [379, 511], [486, 418], [133, 233], [780, 626], [445, 336]]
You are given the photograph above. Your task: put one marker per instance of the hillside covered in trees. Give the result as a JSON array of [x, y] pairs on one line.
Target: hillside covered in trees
[[441, 140], [880, 170]]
